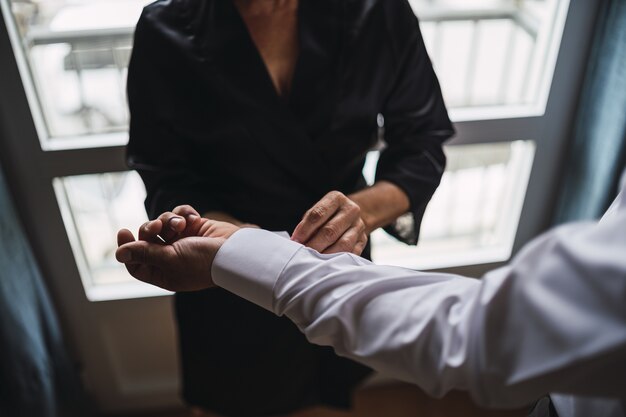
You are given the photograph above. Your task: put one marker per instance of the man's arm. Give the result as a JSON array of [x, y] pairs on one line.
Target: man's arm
[[552, 321]]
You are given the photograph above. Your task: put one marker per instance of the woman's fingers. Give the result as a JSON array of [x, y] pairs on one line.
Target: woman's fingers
[[331, 232], [353, 240], [317, 216], [338, 232], [360, 245]]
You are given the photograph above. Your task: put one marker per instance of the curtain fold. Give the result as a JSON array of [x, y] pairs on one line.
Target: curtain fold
[[597, 154], [37, 377]]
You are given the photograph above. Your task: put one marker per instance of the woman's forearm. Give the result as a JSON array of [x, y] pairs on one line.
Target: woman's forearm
[[381, 204]]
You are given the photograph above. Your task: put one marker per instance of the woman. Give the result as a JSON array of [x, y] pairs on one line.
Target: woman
[[258, 112]]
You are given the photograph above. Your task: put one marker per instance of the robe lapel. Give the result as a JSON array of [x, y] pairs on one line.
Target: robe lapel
[[230, 48]]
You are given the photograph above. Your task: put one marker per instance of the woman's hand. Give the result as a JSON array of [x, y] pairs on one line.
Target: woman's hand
[[175, 251], [334, 224]]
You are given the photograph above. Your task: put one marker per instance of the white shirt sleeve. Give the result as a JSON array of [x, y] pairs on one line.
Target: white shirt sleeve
[[553, 320]]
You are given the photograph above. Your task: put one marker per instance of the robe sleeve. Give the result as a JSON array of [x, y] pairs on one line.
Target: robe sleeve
[[416, 124], [160, 145]]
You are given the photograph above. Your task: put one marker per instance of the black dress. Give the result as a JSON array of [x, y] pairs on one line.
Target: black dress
[[208, 129]]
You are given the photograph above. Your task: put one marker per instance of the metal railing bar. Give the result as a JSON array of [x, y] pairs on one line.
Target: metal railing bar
[[446, 14], [505, 81], [44, 36], [437, 36], [532, 56], [470, 75], [528, 22]]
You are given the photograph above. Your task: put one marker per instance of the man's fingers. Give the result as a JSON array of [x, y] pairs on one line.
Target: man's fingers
[[149, 230], [186, 210], [170, 226], [193, 219], [317, 216], [193, 223], [124, 236], [146, 261], [142, 252], [152, 263], [173, 226]]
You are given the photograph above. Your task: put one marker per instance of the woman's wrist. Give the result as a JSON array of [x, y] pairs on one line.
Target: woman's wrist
[[381, 204]]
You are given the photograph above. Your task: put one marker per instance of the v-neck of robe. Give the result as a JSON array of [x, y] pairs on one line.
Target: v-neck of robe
[[275, 78], [283, 100], [313, 97], [315, 73]]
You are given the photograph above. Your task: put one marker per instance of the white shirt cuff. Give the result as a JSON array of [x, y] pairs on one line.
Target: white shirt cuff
[[250, 262]]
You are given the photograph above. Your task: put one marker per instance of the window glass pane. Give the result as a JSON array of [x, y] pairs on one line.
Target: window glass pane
[[77, 52], [471, 219], [94, 208], [473, 216], [492, 52]]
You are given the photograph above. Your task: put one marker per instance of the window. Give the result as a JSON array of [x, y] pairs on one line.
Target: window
[[77, 54], [496, 56], [94, 208], [473, 216], [494, 59], [63, 63]]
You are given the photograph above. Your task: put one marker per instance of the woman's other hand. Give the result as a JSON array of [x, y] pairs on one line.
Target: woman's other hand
[[334, 224]]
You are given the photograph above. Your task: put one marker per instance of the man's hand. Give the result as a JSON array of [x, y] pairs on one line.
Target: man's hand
[[183, 262], [333, 224], [225, 217]]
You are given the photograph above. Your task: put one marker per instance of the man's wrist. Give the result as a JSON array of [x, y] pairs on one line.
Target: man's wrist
[[249, 263], [222, 217]]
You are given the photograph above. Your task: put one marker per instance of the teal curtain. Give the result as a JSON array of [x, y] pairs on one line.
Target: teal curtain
[[37, 377], [597, 154]]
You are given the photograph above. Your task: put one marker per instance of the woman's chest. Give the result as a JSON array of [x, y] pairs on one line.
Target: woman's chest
[[275, 36]]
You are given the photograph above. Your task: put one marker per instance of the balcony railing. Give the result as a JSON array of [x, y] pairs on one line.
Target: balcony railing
[[484, 56], [512, 22]]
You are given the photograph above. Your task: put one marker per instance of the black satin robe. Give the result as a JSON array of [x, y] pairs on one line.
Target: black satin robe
[[208, 129]]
